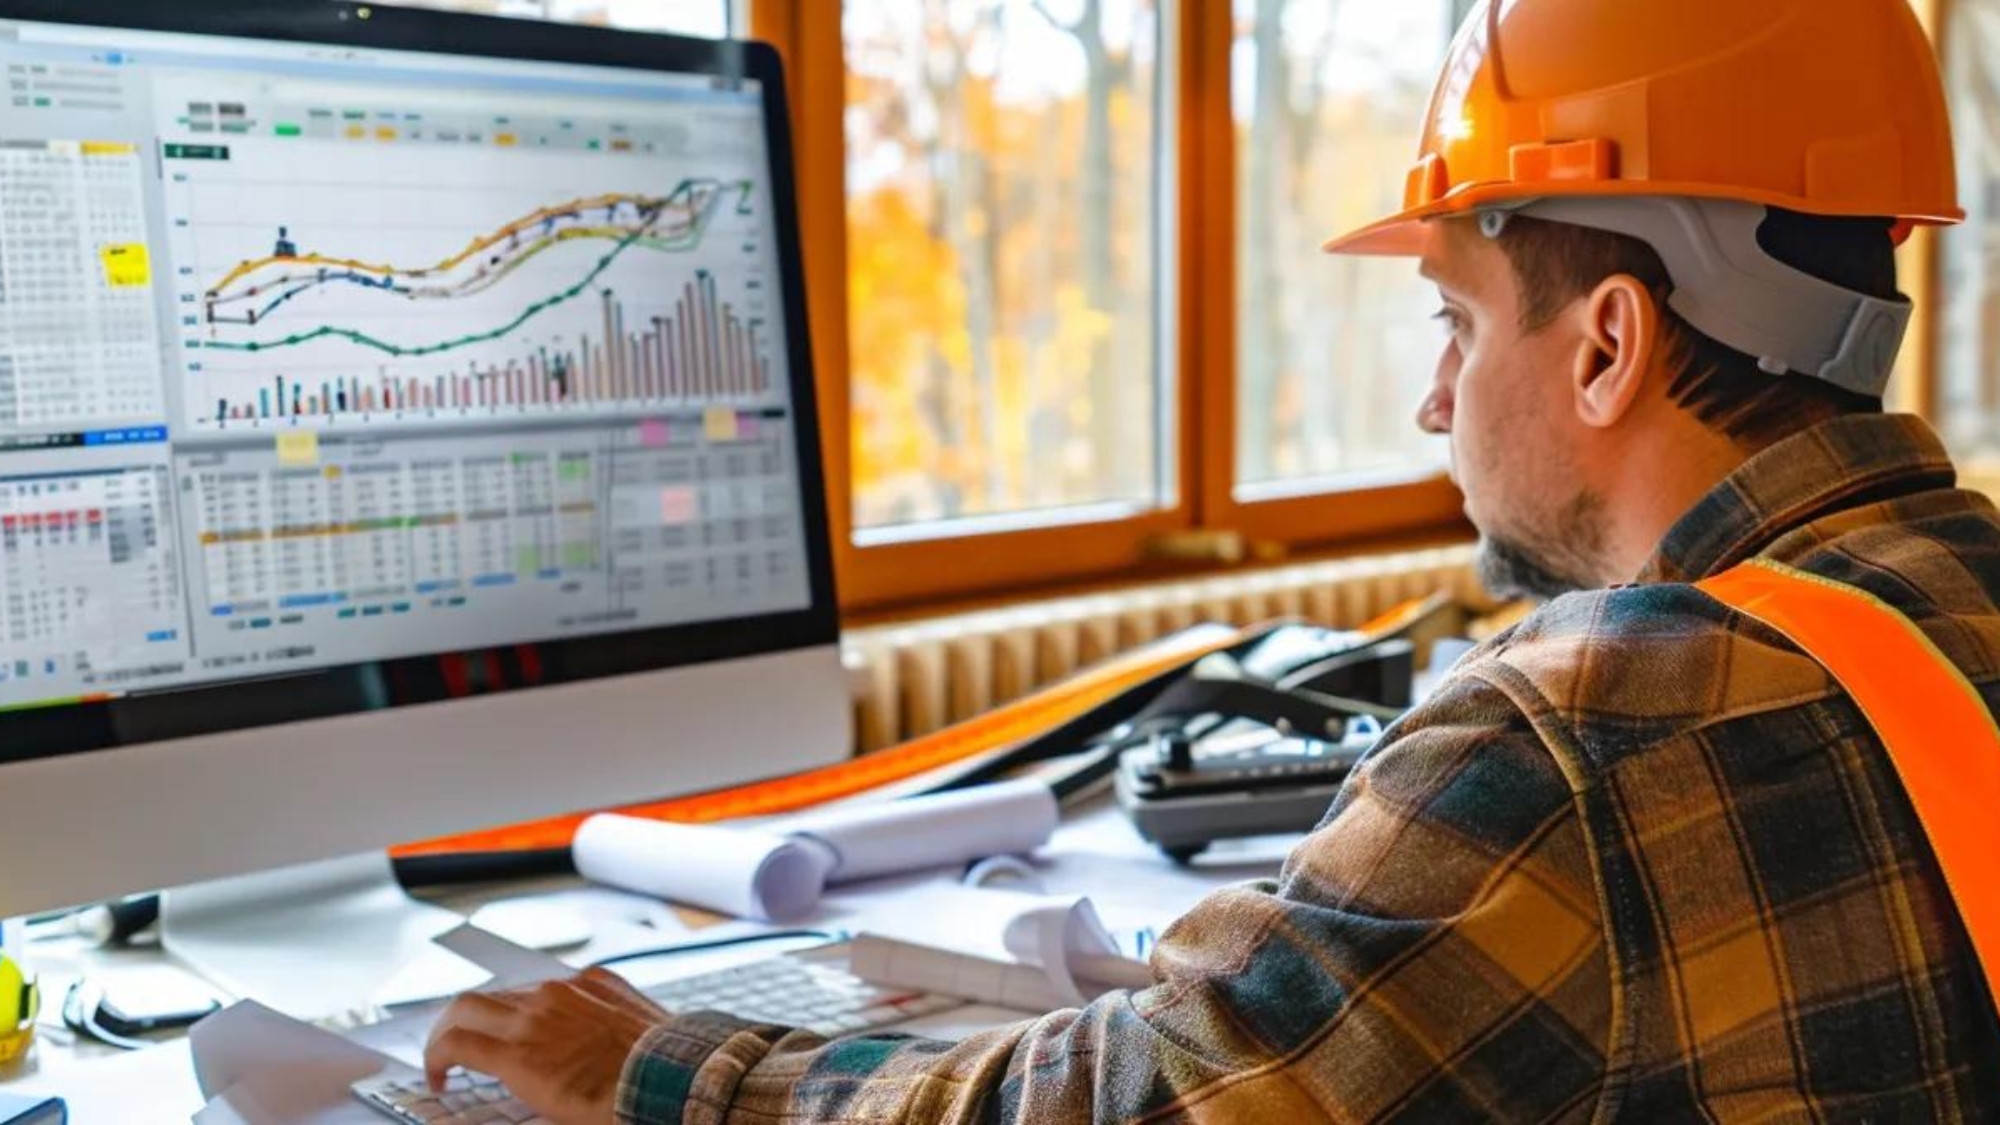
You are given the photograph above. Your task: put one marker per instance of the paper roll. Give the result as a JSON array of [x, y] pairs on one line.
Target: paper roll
[[892, 837], [778, 873], [733, 871]]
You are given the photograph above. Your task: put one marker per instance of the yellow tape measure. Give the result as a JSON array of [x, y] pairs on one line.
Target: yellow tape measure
[[20, 1006]]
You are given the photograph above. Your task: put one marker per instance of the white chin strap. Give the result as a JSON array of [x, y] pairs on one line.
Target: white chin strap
[[1729, 289]]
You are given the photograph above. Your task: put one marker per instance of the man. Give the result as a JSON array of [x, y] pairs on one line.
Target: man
[[1641, 858]]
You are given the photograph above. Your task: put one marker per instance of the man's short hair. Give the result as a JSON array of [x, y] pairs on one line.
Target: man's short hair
[[1556, 263]]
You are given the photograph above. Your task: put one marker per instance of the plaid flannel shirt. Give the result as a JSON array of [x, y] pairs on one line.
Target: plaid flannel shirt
[[1638, 859]]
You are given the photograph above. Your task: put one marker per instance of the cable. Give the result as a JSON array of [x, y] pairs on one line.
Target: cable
[[81, 1018], [721, 943]]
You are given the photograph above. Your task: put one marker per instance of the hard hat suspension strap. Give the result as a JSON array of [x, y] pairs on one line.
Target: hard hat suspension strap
[[1730, 289]]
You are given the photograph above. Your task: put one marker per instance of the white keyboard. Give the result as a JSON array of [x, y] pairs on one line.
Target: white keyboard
[[466, 1100], [811, 989]]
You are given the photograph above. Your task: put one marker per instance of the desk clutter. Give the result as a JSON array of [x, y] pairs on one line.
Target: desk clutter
[[1018, 952], [933, 946], [1243, 721]]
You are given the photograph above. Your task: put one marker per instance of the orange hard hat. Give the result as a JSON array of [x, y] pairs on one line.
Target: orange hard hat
[[1826, 107]]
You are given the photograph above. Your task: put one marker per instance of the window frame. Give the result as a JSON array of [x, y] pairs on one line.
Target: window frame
[[1919, 264], [899, 575]]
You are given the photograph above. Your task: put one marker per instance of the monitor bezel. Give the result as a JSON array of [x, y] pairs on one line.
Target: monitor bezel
[[71, 728]]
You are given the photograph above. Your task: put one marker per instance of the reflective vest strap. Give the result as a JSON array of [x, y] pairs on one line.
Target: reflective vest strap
[[1938, 732]]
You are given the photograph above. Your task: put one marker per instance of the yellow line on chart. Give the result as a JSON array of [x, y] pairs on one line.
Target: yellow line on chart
[[478, 245]]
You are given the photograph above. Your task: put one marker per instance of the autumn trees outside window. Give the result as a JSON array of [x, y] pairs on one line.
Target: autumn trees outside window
[[1005, 258], [1331, 362]]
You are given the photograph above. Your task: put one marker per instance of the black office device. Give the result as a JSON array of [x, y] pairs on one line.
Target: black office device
[[1258, 743]]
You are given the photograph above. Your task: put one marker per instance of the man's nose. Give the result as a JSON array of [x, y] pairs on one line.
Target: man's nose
[[1434, 416]]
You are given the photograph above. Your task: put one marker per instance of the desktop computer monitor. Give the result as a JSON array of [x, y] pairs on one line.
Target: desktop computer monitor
[[406, 426]]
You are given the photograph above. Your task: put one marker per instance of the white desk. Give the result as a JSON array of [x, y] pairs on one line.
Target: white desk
[[1094, 853]]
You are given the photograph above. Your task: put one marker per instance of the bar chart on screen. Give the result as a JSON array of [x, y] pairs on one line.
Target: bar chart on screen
[[522, 294]]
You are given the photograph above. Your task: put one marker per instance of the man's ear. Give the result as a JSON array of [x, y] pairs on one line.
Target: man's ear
[[1618, 341]]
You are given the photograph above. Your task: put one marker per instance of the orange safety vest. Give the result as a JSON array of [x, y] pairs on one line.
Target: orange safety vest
[[1939, 734]]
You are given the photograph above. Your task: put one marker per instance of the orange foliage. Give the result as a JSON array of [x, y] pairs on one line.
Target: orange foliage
[[979, 362]]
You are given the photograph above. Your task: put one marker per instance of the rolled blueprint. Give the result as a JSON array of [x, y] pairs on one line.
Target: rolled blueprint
[[730, 870], [778, 871], [892, 837]]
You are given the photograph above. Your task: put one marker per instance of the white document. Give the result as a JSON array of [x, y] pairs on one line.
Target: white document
[[777, 871], [259, 1067], [248, 1040], [743, 873], [353, 904], [468, 958], [617, 921], [1006, 984], [510, 965], [892, 837], [156, 1084], [1031, 952], [283, 1100]]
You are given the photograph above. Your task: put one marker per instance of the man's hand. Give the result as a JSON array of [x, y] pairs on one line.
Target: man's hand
[[560, 1046]]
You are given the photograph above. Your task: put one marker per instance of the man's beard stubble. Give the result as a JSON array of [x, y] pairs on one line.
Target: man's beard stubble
[[1566, 559]]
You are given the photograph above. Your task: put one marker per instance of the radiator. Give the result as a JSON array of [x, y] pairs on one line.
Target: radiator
[[913, 678]]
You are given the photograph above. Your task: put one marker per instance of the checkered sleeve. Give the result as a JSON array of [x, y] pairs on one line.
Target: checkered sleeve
[[1433, 952]]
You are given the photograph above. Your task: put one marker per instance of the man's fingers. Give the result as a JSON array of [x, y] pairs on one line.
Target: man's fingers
[[560, 1046], [469, 1049], [496, 1017], [607, 985]]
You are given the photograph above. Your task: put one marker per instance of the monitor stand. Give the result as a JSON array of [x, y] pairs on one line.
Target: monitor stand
[[314, 941]]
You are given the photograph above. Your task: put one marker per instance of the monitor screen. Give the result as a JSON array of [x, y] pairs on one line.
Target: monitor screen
[[336, 376]]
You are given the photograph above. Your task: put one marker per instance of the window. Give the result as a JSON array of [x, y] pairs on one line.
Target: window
[[1004, 161], [1968, 340], [1334, 355]]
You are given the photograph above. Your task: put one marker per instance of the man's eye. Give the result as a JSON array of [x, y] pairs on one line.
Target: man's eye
[[1452, 321]]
